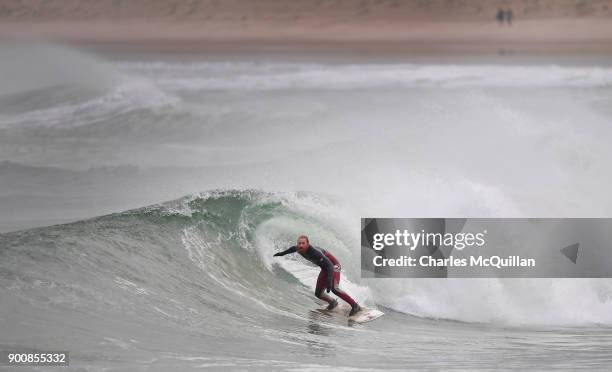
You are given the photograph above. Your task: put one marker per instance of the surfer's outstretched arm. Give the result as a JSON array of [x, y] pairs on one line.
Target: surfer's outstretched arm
[[287, 251]]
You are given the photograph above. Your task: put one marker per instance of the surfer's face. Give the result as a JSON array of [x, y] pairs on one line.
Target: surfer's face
[[302, 245]]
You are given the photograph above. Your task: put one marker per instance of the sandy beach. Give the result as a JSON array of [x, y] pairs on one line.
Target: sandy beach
[[383, 26]]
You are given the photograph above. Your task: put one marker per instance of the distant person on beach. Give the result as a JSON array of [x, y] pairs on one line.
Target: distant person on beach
[[509, 17], [500, 16]]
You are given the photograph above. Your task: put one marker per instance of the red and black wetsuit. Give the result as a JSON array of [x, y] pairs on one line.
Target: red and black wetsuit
[[329, 277]]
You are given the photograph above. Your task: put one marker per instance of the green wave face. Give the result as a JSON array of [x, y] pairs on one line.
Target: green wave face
[[205, 256]]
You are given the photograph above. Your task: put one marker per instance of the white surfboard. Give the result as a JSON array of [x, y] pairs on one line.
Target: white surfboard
[[365, 315], [343, 309]]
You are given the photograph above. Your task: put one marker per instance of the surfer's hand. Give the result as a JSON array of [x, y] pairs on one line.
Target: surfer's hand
[[277, 254]]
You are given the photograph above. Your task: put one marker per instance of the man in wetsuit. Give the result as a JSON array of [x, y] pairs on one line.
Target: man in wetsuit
[[329, 277]]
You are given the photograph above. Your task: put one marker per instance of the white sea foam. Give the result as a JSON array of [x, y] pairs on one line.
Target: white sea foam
[[275, 76]]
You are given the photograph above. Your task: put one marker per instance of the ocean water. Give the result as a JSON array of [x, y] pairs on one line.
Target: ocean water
[[176, 179]]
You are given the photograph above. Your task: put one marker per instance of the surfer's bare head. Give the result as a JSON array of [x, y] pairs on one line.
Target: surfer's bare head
[[302, 243]]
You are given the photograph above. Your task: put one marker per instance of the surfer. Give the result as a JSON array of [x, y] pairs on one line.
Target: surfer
[[329, 277]]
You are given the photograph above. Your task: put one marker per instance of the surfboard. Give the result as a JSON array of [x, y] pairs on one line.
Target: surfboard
[[342, 309], [365, 315]]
